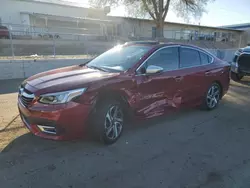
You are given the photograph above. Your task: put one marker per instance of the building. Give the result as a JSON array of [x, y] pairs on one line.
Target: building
[[144, 28], [61, 19], [243, 27], [38, 16]]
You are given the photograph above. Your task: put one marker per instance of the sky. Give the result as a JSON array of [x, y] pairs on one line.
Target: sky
[[219, 13]]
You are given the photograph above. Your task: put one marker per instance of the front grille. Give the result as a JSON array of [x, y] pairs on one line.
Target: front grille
[[26, 101], [244, 62], [26, 97], [235, 58]]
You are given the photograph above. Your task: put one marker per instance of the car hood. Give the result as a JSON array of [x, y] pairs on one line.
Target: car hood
[[65, 79], [246, 49]]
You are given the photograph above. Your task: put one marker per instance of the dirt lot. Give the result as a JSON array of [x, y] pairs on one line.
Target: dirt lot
[[190, 149]]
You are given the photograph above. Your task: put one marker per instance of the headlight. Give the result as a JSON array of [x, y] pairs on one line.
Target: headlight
[[60, 97], [234, 64]]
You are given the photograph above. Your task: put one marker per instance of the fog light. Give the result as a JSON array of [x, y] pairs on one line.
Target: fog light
[[47, 129]]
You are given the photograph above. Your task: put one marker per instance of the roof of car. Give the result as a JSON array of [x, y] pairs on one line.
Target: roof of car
[[157, 43], [142, 42]]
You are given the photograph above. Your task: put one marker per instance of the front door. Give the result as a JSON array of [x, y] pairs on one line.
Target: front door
[[156, 92]]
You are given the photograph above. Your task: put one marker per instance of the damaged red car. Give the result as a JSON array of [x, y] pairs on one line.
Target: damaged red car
[[139, 79]]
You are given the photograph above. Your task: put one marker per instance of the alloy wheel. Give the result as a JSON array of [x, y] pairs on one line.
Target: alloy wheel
[[213, 96], [113, 122]]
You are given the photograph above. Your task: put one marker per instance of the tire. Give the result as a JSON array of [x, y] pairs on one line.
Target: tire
[[108, 121], [212, 97], [236, 77]]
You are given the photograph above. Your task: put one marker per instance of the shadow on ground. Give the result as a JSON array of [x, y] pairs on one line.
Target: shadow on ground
[[9, 86], [29, 143], [187, 149], [231, 112], [245, 81]]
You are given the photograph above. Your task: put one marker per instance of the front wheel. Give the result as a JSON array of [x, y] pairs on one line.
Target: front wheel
[[236, 77], [212, 97], [108, 121]]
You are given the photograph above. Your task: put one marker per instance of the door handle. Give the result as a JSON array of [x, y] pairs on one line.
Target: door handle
[[178, 78], [207, 73]]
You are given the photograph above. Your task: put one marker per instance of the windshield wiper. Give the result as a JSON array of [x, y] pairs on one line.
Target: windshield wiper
[[83, 64], [97, 68]]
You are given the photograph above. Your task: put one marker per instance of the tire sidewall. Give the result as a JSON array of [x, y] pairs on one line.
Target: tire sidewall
[[205, 100], [98, 121], [236, 77]]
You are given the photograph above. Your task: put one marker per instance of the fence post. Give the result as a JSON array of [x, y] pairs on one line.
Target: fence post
[[240, 40], [11, 43], [54, 46]]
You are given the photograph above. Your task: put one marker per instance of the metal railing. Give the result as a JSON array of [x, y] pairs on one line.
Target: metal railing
[[24, 40]]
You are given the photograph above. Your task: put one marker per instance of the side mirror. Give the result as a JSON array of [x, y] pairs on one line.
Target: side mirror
[[152, 69]]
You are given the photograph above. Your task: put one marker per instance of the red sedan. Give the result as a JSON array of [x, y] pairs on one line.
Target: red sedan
[[145, 79]]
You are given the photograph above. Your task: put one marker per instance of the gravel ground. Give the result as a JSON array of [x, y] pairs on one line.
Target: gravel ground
[[189, 149]]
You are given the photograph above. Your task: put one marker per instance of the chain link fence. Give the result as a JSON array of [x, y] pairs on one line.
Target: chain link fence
[[20, 41]]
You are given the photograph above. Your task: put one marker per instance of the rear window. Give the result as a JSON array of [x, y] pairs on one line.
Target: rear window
[[204, 58], [210, 59]]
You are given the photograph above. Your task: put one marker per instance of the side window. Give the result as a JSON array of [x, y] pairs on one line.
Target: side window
[[166, 58], [189, 58], [204, 58]]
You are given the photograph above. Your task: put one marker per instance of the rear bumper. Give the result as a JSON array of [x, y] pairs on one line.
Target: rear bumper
[[57, 122]]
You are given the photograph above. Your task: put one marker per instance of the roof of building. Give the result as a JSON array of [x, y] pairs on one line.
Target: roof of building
[[68, 17], [184, 24], [237, 26], [78, 4]]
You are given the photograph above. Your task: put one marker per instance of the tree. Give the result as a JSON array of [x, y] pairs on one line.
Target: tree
[[158, 9]]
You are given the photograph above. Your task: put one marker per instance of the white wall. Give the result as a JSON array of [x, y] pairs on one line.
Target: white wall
[[26, 68], [10, 10], [143, 28]]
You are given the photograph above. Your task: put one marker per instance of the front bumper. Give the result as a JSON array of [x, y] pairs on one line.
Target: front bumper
[[240, 71], [57, 122], [242, 66]]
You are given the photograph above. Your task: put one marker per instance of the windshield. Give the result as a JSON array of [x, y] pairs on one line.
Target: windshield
[[119, 58]]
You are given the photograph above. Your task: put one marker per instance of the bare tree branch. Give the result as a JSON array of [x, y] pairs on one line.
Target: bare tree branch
[[166, 9], [158, 9], [155, 9], [147, 8]]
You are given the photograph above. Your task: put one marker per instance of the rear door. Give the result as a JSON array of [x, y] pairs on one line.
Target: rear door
[[193, 76], [215, 70], [156, 91]]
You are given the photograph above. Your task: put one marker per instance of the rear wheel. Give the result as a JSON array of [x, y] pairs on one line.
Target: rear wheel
[[212, 98], [108, 121], [236, 77]]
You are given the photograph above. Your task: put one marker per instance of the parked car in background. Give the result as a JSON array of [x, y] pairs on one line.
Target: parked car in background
[[241, 63], [4, 32], [143, 79]]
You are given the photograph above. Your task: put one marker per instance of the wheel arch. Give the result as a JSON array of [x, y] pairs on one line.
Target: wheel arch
[[112, 94], [121, 96]]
